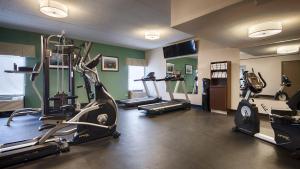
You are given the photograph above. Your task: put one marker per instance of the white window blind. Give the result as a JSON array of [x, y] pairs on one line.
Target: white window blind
[[17, 49], [136, 62], [11, 83], [135, 72]]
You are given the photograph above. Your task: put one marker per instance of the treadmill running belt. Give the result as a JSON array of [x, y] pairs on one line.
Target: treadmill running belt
[[160, 105], [137, 100]]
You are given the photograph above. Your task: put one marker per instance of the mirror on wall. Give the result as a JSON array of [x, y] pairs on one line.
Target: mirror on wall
[[187, 66], [279, 64]]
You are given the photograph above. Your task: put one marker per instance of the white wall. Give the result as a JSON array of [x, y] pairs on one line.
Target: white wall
[[208, 52], [270, 68], [212, 52], [157, 64]]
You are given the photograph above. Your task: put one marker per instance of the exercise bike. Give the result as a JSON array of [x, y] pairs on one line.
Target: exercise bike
[[96, 120], [280, 94], [285, 123]]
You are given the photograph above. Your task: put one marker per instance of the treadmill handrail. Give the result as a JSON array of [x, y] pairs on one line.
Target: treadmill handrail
[[160, 79], [177, 79], [145, 79]]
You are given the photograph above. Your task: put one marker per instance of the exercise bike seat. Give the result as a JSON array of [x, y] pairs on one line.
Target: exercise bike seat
[[285, 120], [294, 101], [283, 112]]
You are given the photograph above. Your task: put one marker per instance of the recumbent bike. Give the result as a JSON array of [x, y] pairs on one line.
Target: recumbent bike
[[285, 123]]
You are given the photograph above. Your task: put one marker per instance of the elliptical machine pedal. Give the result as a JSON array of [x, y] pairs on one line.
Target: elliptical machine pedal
[[116, 134], [296, 155], [64, 146]]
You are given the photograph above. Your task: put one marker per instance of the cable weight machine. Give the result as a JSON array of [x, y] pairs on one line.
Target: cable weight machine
[[63, 54]]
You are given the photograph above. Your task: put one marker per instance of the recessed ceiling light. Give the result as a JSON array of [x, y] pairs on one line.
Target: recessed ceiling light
[[288, 50], [152, 35], [264, 29], [53, 8]]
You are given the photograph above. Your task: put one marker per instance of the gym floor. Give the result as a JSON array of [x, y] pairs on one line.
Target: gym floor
[[178, 140]]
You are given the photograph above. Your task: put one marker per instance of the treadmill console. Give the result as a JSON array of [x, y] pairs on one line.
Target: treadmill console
[[149, 77], [174, 77]]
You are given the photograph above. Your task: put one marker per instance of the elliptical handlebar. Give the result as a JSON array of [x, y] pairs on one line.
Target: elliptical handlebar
[[87, 51], [262, 79], [93, 62], [254, 83]]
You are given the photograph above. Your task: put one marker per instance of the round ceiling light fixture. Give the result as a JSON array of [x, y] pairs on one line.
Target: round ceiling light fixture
[[264, 29], [152, 35], [53, 8], [288, 50]]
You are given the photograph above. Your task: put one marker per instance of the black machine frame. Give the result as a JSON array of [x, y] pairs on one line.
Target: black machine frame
[[96, 120], [285, 123], [46, 72]]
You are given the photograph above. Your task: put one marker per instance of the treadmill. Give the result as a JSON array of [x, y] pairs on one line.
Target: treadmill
[[144, 100], [173, 104]]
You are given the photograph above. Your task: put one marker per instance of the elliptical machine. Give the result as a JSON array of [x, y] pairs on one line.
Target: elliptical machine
[[280, 94], [285, 123], [96, 120]]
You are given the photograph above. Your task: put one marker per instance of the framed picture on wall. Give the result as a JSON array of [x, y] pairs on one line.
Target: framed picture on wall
[[188, 69], [110, 63], [58, 61], [170, 67]]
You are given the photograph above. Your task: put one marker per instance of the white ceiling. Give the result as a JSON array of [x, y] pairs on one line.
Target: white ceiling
[[116, 22], [229, 25], [270, 49]]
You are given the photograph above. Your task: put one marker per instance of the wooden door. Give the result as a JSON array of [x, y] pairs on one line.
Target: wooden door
[[292, 70]]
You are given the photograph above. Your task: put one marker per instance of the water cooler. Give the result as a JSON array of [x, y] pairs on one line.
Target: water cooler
[[205, 94]]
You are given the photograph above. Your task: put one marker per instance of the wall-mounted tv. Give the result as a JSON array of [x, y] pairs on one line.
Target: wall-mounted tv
[[181, 49]]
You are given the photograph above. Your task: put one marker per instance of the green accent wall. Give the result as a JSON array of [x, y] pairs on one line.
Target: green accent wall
[[188, 78], [115, 82]]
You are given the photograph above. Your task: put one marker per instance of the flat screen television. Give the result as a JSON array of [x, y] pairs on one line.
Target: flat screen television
[[181, 49]]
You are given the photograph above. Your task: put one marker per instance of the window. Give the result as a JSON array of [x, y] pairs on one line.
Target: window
[[242, 70], [135, 72], [11, 83]]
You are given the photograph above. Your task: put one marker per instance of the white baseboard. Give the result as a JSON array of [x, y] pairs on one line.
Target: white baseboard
[[219, 112]]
